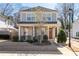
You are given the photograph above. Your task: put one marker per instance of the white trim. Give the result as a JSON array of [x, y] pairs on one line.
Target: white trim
[[19, 33], [48, 32]]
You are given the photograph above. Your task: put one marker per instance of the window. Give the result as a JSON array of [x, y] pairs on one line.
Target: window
[[30, 17], [53, 18], [49, 18], [77, 34], [23, 17]]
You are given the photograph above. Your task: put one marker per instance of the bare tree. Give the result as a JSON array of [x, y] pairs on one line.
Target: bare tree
[[6, 8], [64, 13], [76, 9]]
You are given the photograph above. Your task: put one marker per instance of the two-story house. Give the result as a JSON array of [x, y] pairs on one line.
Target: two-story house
[[38, 19]]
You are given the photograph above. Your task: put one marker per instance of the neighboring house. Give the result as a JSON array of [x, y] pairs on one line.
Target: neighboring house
[[36, 18], [75, 29], [6, 26], [7, 20]]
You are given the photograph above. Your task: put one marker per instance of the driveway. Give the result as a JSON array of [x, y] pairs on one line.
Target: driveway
[[6, 45]]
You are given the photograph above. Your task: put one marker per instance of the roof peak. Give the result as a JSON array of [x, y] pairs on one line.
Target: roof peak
[[37, 8]]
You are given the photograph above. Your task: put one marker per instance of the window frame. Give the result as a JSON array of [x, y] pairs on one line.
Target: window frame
[[77, 34], [31, 16]]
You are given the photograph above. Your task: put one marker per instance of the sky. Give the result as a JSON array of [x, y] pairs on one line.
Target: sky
[[17, 6], [49, 5], [28, 5]]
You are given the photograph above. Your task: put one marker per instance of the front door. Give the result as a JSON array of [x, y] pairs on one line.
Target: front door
[[50, 33]]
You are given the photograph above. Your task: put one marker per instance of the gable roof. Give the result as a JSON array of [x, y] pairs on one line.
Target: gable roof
[[38, 8]]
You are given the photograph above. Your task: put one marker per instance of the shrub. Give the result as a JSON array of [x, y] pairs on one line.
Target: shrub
[[61, 37], [22, 39], [45, 38], [39, 37], [15, 39], [35, 39], [29, 39]]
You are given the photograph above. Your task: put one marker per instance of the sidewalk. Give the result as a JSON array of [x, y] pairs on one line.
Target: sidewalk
[[63, 50], [66, 52], [75, 42], [74, 45]]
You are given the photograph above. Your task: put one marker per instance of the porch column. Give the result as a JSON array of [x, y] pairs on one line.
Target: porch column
[[19, 33], [33, 31]]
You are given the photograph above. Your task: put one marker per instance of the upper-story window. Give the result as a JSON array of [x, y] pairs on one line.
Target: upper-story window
[[47, 17], [77, 34], [30, 17], [54, 17], [23, 16]]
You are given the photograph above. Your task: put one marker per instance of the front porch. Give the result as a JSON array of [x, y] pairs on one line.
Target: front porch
[[50, 31]]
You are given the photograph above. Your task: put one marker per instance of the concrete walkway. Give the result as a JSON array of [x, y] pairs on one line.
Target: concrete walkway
[[75, 42], [66, 52], [75, 45]]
